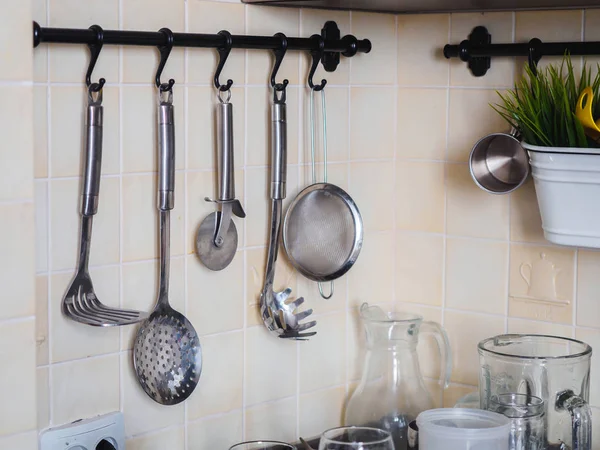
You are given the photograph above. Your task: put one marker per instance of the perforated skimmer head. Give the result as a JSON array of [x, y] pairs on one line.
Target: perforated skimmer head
[[167, 357], [322, 232]]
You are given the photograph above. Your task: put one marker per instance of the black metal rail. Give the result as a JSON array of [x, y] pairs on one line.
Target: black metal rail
[[478, 50], [330, 43]]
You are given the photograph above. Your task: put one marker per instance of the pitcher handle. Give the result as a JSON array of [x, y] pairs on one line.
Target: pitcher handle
[[581, 418], [443, 343]]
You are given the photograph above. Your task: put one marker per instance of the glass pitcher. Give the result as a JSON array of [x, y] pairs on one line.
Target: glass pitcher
[[555, 369], [392, 391]]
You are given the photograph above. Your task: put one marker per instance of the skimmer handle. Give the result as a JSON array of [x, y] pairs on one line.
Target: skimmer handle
[[166, 151], [93, 153], [436, 330]]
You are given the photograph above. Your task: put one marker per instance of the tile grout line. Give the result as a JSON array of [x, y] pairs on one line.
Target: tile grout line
[[445, 234], [396, 142], [121, 226], [300, 134], [245, 230], [509, 201], [186, 238], [348, 177], [49, 230], [576, 255]]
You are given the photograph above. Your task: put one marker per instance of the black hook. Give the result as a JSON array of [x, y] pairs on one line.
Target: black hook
[[165, 51], [317, 55], [95, 49], [223, 55], [279, 54], [535, 54]]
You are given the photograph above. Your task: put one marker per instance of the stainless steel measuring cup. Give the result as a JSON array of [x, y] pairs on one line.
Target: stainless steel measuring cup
[[498, 163]]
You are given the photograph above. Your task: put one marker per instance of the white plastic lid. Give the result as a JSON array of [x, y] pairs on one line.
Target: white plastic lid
[[463, 423]]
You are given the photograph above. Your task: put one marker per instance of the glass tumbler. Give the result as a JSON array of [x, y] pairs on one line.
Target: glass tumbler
[[356, 438], [526, 414], [262, 445]]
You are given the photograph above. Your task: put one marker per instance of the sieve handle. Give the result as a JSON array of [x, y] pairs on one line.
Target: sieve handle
[[278, 148]]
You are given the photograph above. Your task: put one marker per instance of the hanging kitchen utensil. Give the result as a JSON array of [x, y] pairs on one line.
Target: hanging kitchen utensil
[[278, 313], [80, 303], [166, 354], [322, 228], [217, 238]]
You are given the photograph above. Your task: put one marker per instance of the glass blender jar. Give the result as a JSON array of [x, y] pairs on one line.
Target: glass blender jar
[[555, 369]]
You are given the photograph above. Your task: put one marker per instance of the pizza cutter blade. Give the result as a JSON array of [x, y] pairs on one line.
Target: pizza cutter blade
[[212, 256]]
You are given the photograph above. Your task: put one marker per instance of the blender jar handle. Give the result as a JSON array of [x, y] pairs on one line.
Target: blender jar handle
[[581, 418], [443, 343]]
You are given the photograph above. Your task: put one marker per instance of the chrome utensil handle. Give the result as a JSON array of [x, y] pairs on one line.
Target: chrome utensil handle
[[581, 418], [93, 154], [441, 337], [225, 161], [166, 151], [274, 235], [278, 147]]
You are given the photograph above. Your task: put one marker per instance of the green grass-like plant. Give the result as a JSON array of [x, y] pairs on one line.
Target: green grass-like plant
[[542, 107]]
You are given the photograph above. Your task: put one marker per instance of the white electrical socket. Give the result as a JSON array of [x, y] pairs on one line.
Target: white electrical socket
[[86, 434]]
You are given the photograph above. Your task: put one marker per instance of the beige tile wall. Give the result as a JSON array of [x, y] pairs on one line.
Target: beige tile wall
[[17, 230], [402, 121]]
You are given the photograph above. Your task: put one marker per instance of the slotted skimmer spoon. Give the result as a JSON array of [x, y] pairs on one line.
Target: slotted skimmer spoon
[[166, 353], [80, 303], [277, 310]]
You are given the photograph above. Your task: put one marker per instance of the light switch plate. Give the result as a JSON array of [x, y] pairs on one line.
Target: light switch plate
[[86, 434]]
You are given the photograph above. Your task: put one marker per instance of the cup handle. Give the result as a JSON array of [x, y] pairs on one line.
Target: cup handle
[[443, 343], [581, 418], [524, 275]]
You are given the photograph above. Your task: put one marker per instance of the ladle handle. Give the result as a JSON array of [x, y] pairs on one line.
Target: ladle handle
[[166, 151], [441, 337], [93, 155], [581, 418]]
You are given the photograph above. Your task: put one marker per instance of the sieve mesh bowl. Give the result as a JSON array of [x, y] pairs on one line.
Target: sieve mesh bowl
[[322, 232]]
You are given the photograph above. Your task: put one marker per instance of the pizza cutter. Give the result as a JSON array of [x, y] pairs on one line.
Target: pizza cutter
[[217, 238]]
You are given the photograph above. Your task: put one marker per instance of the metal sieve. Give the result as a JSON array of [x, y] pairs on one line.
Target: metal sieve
[[322, 228]]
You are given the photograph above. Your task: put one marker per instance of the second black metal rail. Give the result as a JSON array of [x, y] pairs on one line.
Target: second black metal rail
[[478, 50]]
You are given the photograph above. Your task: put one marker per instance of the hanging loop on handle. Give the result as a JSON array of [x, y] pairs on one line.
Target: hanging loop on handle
[[535, 54], [95, 49], [165, 51], [317, 55], [326, 297], [223, 55], [279, 55]]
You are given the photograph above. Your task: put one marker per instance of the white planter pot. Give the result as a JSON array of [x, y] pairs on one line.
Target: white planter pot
[[567, 185]]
